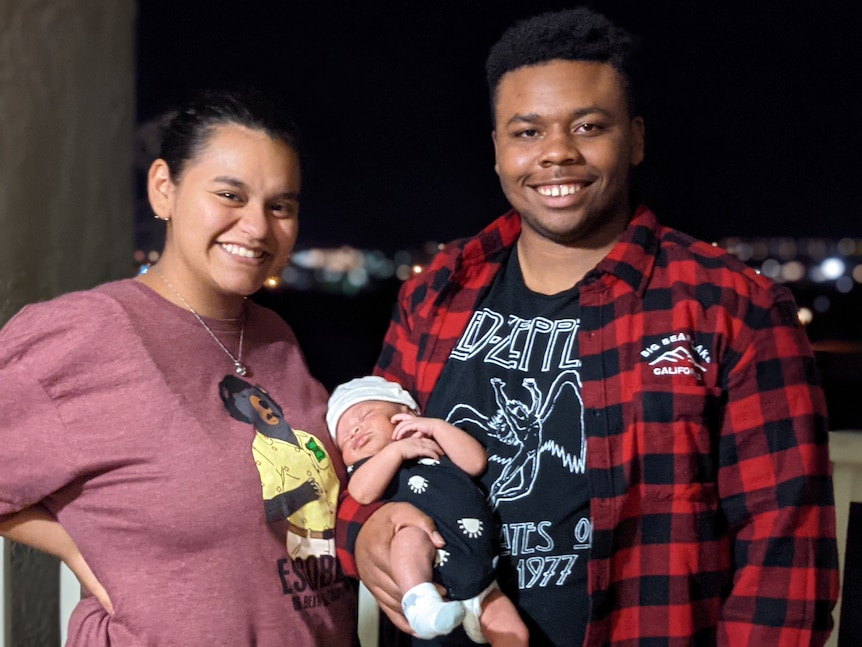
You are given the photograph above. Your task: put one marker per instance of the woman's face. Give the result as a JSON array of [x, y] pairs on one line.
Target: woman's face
[[233, 215]]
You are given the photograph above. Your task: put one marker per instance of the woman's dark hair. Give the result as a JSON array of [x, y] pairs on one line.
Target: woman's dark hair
[[190, 127], [571, 35]]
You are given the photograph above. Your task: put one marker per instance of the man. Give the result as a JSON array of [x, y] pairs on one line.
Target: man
[[656, 439]]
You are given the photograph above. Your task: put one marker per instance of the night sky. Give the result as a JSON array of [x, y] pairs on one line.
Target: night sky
[[752, 109]]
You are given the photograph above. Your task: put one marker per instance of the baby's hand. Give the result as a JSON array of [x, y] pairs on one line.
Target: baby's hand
[[406, 424], [401, 417], [418, 447]]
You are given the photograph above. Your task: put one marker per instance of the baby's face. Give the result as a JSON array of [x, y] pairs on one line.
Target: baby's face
[[365, 428]]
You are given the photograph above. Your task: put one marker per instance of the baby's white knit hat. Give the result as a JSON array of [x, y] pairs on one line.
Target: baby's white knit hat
[[361, 389]]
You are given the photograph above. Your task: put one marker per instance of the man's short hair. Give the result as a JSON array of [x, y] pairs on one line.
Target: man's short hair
[[570, 35]]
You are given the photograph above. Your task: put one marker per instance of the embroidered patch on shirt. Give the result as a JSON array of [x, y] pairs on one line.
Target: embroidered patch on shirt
[[677, 354]]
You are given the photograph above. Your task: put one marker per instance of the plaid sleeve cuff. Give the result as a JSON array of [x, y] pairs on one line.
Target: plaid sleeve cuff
[[351, 516]]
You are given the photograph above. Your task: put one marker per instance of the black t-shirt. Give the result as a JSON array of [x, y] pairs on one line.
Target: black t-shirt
[[513, 382]]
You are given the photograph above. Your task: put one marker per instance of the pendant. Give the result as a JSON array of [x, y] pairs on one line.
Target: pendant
[[240, 369]]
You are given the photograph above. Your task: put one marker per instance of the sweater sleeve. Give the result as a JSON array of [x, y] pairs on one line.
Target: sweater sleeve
[[775, 485], [35, 453], [33, 458]]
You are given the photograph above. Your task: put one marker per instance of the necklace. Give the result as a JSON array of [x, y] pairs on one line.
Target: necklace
[[240, 368]]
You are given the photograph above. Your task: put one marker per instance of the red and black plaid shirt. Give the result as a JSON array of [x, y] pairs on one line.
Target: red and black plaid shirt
[[711, 496]]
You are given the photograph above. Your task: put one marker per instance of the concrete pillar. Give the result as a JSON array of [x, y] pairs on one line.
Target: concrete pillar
[[66, 118]]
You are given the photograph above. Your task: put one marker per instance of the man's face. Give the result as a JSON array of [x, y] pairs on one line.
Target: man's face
[[565, 145]]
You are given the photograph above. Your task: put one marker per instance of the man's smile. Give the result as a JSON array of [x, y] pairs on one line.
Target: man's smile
[[558, 190]]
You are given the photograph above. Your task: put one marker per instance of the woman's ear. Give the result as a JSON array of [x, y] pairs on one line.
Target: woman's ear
[[160, 189]]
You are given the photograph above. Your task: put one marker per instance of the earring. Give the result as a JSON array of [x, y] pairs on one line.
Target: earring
[[165, 219]]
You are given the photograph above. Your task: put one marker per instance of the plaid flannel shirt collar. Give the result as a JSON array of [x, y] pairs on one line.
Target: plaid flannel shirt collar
[[631, 260]]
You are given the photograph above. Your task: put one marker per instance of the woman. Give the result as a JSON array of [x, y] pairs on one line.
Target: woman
[[169, 428]]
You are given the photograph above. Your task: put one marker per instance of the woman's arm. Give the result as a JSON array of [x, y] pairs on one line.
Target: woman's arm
[[37, 528]]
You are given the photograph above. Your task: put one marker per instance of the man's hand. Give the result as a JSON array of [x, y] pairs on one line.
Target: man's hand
[[372, 554]]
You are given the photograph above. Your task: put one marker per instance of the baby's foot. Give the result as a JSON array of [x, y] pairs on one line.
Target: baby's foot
[[428, 614]]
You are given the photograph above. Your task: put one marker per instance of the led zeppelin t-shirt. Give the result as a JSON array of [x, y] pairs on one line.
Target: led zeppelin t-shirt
[[513, 382]]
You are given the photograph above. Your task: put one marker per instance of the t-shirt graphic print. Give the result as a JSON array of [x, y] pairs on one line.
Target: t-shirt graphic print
[[518, 427], [513, 382], [299, 485]]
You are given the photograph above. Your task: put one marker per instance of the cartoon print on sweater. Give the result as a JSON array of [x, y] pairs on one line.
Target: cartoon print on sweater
[[520, 426], [298, 482]]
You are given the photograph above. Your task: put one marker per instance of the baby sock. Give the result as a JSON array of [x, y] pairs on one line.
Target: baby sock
[[428, 614]]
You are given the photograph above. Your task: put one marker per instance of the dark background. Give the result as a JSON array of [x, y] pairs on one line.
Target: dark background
[[753, 108], [752, 113]]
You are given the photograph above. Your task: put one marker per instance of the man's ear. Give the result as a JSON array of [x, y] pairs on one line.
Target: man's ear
[[160, 189], [638, 141], [494, 139]]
